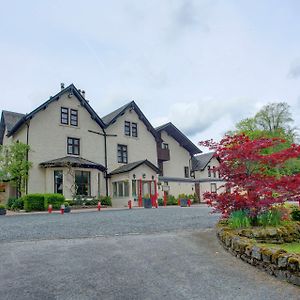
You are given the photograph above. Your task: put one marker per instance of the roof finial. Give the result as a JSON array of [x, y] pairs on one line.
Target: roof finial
[[62, 85]]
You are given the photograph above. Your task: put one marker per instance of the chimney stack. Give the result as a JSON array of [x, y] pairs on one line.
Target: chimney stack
[[83, 93], [62, 86]]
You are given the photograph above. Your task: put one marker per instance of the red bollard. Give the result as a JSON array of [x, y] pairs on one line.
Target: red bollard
[[99, 206], [50, 208], [62, 209], [189, 202], [129, 204], [178, 202], [165, 199]]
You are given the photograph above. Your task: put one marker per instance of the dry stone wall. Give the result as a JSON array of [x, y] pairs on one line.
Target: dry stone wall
[[279, 263]]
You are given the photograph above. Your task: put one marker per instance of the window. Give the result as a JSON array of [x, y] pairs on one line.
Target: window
[[122, 154], [130, 129], [214, 171], [209, 171], [115, 189], [134, 187], [134, 129], [73, 146], [82, 181], [165, 146], [213, 187], [186, 172], [121, 189], [58, 182], [64, 115], [127, 128], [74, 117]]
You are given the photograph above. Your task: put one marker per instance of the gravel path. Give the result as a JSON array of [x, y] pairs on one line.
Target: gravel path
[[166, 253], [107, 223]]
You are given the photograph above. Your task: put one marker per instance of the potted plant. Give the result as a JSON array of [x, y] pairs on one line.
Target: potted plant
[[67, 207], [147, 201], [2, 210]]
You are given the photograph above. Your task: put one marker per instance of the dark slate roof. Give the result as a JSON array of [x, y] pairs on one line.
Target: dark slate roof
[[8, 120], [73, 161], [199, 162], [113, 116], [181, 138], [129, 167], [71, 89]]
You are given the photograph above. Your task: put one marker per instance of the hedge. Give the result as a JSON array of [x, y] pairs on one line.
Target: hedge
[[56, 200], [40, 202], [34, 202]]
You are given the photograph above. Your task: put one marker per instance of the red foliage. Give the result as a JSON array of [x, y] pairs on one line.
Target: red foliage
[[249, 171]]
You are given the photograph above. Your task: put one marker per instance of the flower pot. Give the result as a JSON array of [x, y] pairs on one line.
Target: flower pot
[[2, 211], [183, 202], [67, 209], [147, 203]]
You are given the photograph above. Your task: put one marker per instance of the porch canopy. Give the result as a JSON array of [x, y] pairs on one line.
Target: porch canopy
[[76, 162], [131, 166]]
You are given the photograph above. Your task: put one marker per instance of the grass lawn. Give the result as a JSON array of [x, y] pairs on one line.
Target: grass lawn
[[289, 247]]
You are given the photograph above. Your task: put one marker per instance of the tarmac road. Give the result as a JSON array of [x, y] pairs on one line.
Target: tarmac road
[[164, 262]]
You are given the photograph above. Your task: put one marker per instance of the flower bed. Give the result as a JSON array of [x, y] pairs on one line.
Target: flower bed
[[276, 262]]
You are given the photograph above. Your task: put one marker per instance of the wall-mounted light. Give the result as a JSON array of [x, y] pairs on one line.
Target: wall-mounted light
[[152, 177], [144, 175], [133, 176]]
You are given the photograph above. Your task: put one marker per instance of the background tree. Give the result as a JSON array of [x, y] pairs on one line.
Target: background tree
[[253, 183], [14, 165], [273, 120]]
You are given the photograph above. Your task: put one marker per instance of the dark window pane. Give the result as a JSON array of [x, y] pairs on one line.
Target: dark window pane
[[64, 115], [74, 117], [73, 146], [58, 182], [127, 128], [122, 154], [82, 181], [134, 129]]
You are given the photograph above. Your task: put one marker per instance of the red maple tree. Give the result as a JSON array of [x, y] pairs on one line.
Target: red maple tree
[[252, 176]]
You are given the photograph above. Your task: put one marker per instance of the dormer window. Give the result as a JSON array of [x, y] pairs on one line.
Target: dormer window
[[68, 116]]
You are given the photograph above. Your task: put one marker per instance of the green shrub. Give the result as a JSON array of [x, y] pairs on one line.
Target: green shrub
[[10, 202], [295, 214], [239, 219], [18, 204], [91, 202], [2, 206], [34, 202], [56, 200], [172, 200], [105, 200], [66, 204], [271, 217], [160, 201]]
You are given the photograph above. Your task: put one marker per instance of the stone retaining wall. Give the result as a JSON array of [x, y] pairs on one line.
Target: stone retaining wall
[[278, 263]]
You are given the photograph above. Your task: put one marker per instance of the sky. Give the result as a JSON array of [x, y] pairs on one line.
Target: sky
[[203, 65]]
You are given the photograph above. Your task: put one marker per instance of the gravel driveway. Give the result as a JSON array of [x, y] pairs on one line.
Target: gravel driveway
[[167, 253], [107, 223]]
